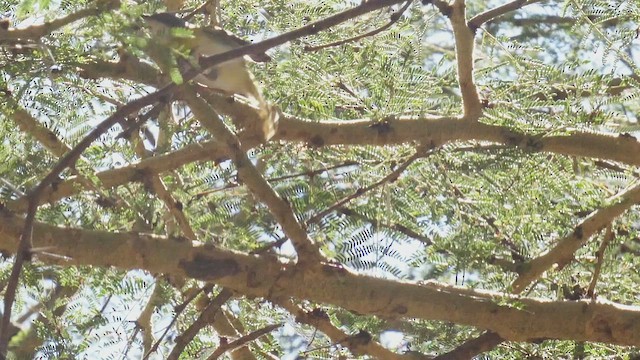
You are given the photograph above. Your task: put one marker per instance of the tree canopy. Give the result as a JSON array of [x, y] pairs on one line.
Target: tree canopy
[[447, 179]]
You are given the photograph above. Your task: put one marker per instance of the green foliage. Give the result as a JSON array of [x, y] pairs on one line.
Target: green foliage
[[544, 70]]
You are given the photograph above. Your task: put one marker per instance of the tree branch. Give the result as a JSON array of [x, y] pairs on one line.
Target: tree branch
[[491, 14], [205, 318], [433, 131], [473, 347], [308, 252], [394, 19], [243, 340], [608, 237], [565, 248], [512, 318], [309, 29], [464, 38], [437, 131], [38, 31], [389, 178], [319, 319]]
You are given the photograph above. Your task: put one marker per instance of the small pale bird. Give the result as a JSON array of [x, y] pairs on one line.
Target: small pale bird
[[231, 77]]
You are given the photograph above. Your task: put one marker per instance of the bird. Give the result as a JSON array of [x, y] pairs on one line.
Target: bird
[[231, 77]]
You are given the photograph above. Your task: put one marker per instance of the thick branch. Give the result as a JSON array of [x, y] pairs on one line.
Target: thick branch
[[280, 209], [438, 131], [433, 131], [139, 172], [512, 318], [464, 37]]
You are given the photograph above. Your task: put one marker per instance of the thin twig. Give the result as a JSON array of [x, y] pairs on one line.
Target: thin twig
[[242, 341], [491, 14], [565, 247], [608, 236], [177, 311], [204, 319], [361, 191], [309, 29], [393, 19], [309, 173], [396, 227]]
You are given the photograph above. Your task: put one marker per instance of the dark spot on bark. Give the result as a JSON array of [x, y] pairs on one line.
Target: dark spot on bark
[[362, 338], [179, 205], [627, 136], [578, 233], [27, 255], [602, 328], [400, 309], [252, 280], [333, 130], [164, 99], [522, 267], [51, 135], [180, 239], [139, 175], [209, 268], [537, 340], [105, 202], [54, 184], [512, 138], [383, 127], [346, 211], [316, 141], [533, 144], [211, 74], [319, 314]]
